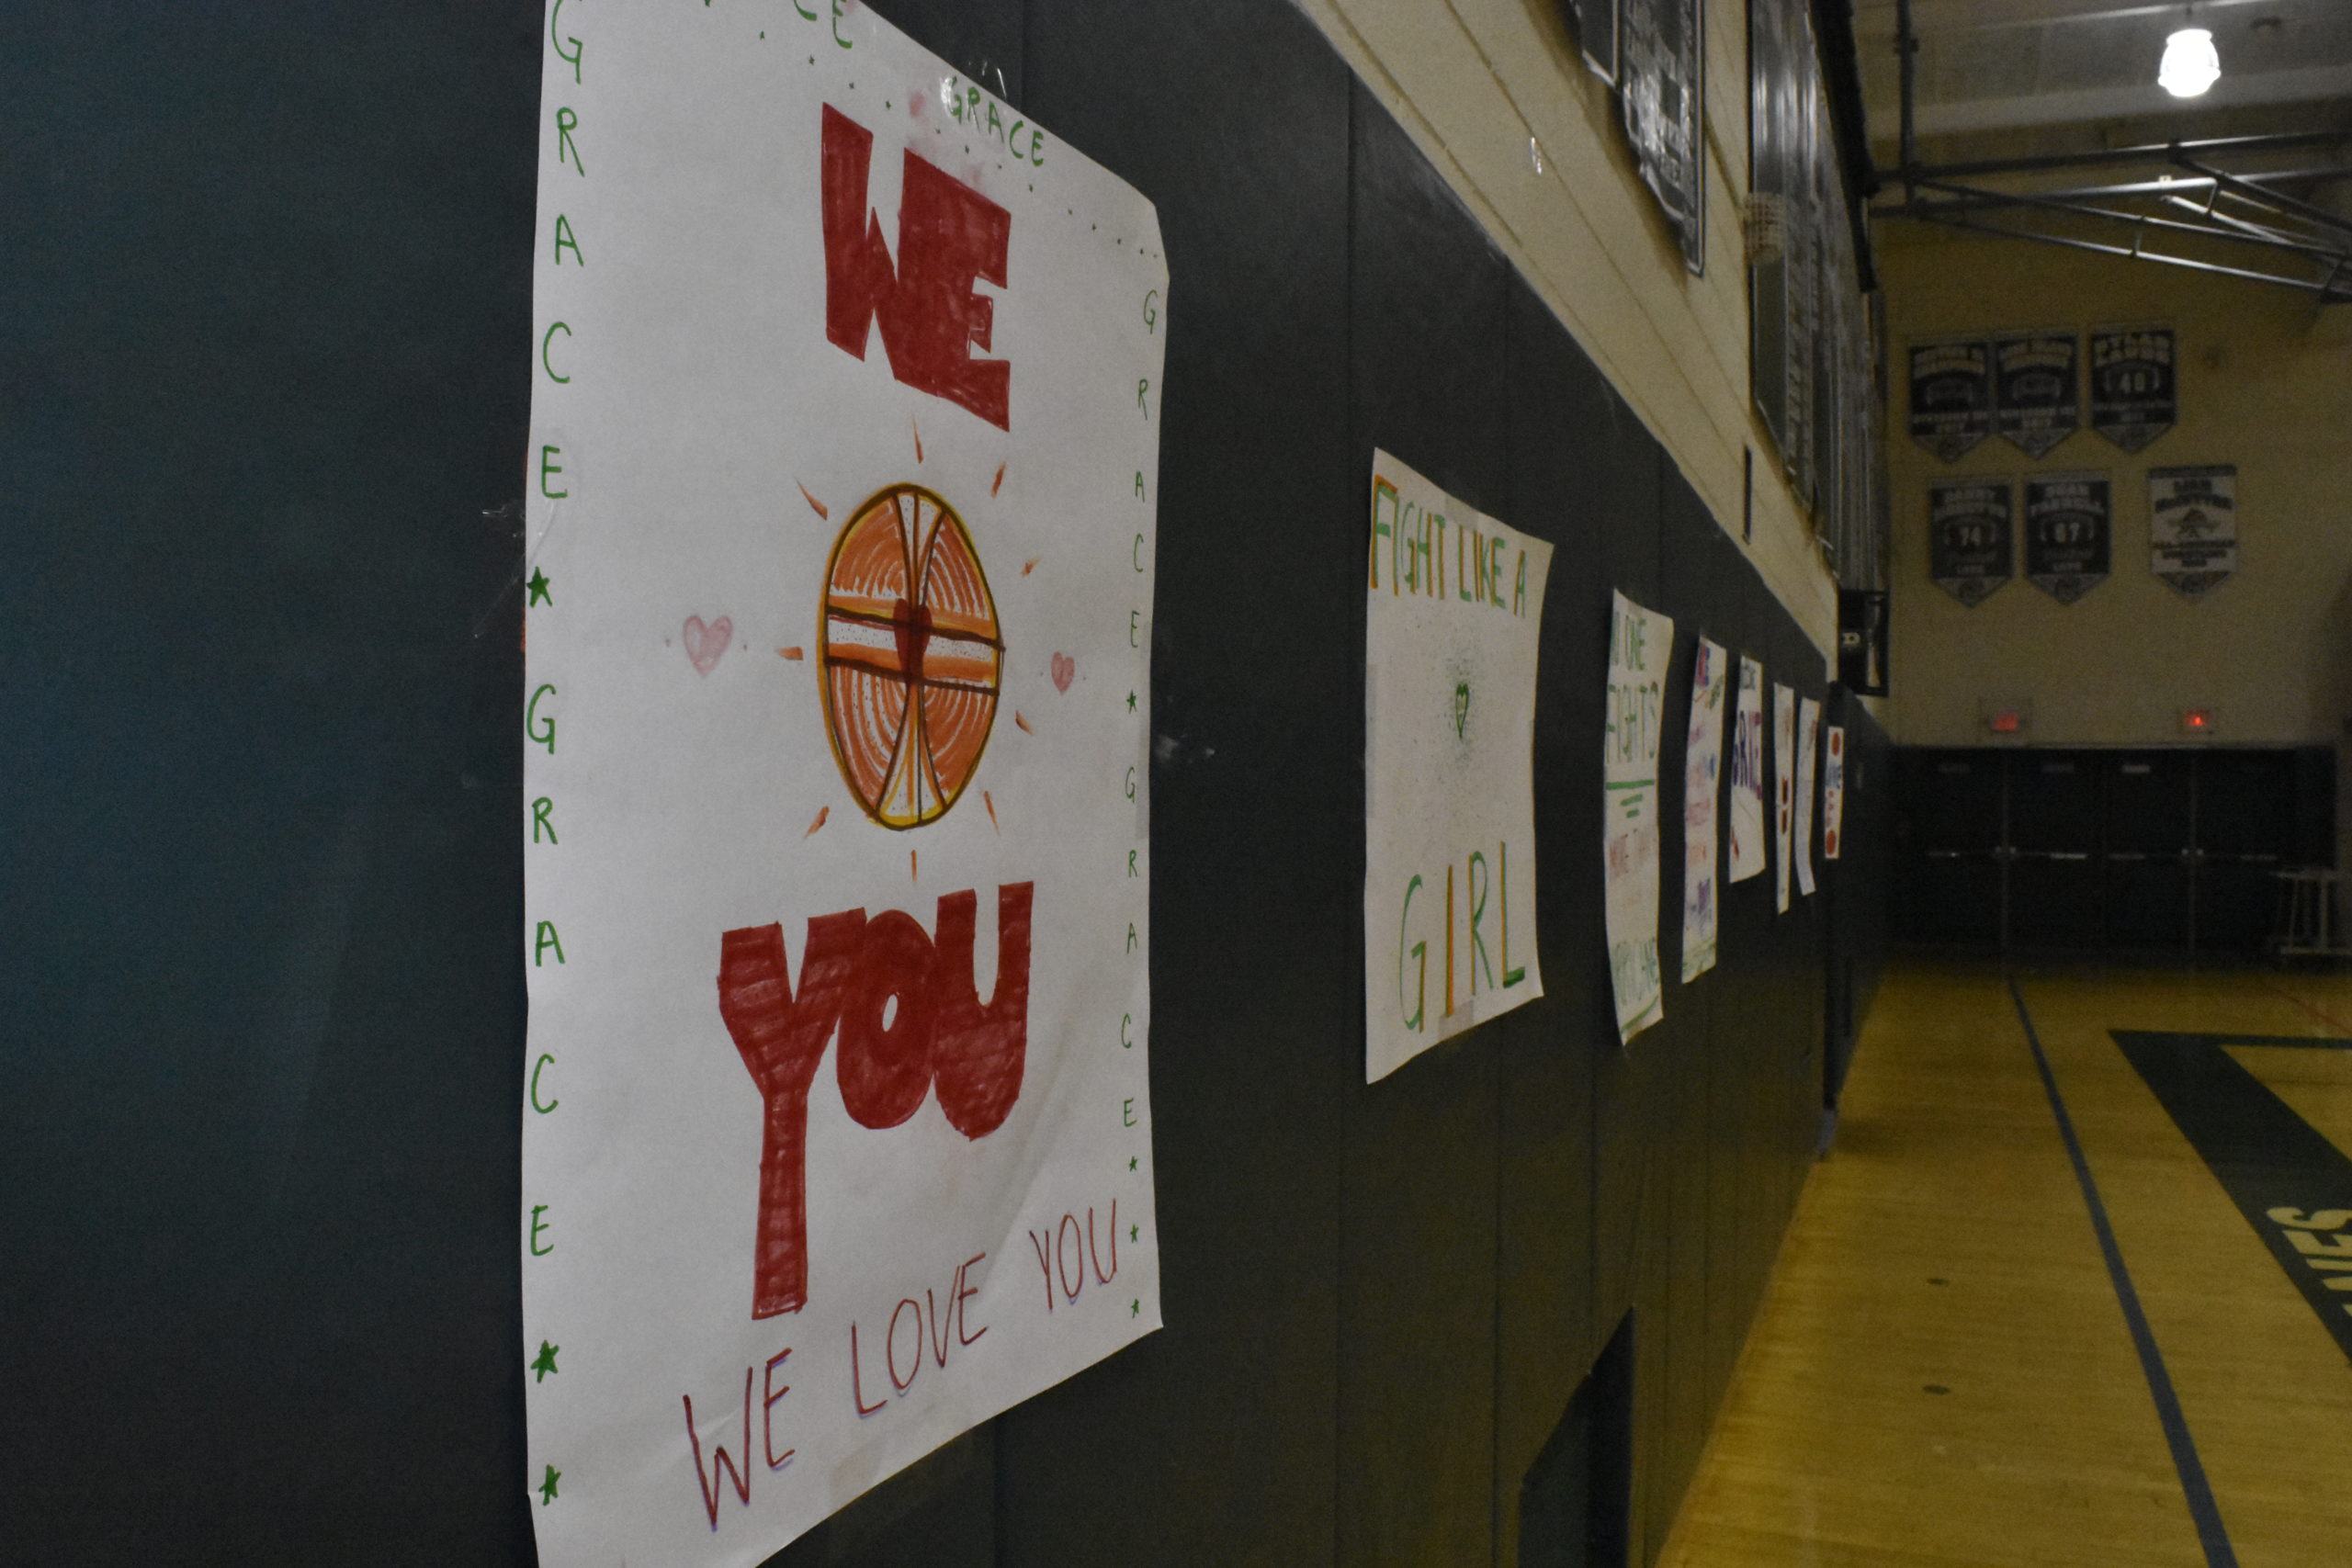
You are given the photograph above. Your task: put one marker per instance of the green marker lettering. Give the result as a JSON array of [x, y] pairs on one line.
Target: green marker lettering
[[573, 59], [547, 939], [564, 236], [548, 469], [1420, 951], [531, 715], [542, 815], [566, 122], [547, 340], [1477, 912], [544, 1059], [538, 1224]]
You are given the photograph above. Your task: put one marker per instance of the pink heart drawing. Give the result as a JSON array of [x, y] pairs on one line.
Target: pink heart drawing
[[706, 645], [1064, 670]]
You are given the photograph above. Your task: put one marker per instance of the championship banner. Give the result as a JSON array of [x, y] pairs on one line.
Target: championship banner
[[2069, 523], [1703, 758], [1784, 745], [840, 523], [1969, 552], [2193, 525], [1952, 395], [2133, 396], [1453, 614], [1747, 773], [1808, 742], [1833, 790], [1641, 645], [2036, 385]]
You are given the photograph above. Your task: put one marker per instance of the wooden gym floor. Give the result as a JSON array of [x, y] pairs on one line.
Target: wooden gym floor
[[1954, 1366]]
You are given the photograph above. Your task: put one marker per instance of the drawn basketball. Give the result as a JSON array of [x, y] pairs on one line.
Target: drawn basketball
[[912, 655]]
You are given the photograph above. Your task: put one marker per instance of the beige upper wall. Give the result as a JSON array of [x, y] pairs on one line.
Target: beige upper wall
[[1472, 81], [2260, 388]]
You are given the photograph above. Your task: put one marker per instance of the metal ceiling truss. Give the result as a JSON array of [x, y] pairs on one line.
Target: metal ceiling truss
[[2194, 199]]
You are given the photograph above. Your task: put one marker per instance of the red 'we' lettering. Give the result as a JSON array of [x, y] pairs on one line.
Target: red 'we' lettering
[[949, 235], [852, 969]]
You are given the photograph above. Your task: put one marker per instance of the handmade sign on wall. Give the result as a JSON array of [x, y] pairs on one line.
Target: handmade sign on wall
[[2036, 381], [1641, 643], [1702, 795], [1808, 740], [1454, 613], [2193, 525], [1784, 744], [2133, 392], [1952, 395], [1747, 773], [2068, 525], [1833, 790], [1661, 95], [1969, 552], [841, 510]]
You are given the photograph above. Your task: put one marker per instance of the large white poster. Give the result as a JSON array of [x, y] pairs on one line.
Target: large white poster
[[1747, 773], [841, 520], [1453, 612], [1701, 793], [1641, 643], [1833, 791], [1784, 742], [1808, 740]]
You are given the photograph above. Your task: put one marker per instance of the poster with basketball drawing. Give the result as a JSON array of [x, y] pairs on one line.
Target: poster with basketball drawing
[[1453, 613], [840, 524]]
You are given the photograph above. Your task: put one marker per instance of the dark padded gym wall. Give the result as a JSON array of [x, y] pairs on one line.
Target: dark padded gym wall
[[258, 1113]]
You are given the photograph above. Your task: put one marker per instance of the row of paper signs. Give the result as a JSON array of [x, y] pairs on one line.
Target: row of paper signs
[[2069, 527], [2027, 388], [1454, 621]]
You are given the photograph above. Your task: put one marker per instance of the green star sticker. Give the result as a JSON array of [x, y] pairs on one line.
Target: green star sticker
[[1131, 1163], [1135, 1309], [538, 585], [1131, 701], [546, 1487], [546, 1363], [1134, 1232]]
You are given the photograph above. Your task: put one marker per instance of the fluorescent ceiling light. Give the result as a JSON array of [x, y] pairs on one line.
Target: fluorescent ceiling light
[[2191, 64]]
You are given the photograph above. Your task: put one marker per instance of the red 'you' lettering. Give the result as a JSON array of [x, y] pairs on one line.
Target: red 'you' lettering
[[980, 1051], [885, 1071], [719, 1459], [1063, 1250], [909, 1014], [1094, 1254], [782, 1039], [949, 235]]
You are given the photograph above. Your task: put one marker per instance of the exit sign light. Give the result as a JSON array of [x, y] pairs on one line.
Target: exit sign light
[[2005, 721], [2197, 721]]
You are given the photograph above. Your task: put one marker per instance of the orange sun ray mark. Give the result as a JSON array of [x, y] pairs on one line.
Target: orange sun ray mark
[[918, 441], [1000, 480], [822, 812], [1030, 564], [1023, 723], [791, 653], [913, 874], [812, 500], [989, 801]]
